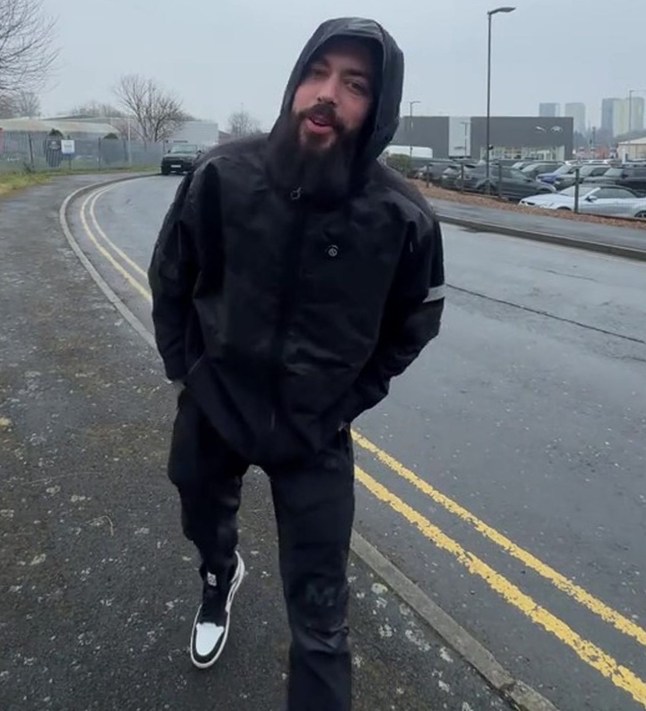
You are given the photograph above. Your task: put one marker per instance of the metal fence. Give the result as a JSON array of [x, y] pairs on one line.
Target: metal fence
[[40, 152]]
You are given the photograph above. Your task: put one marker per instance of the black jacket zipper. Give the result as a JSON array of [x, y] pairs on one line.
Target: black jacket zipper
[[289, 291]]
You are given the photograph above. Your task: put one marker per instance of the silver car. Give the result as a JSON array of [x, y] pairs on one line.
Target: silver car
[[593, 199]]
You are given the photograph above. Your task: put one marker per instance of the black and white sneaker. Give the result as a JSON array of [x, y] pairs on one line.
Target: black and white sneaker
[[211, 624]]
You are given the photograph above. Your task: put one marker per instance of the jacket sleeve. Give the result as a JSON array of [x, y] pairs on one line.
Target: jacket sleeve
[[171, 275], [411, 318]]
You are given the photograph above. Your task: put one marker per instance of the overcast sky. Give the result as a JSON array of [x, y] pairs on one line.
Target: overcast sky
[[217, 55]]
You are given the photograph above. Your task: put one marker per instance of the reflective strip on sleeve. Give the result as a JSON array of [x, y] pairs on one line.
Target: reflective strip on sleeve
[[435, 293]]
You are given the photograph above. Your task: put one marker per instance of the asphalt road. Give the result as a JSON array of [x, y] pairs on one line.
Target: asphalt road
[[631, 238], [505, 473]]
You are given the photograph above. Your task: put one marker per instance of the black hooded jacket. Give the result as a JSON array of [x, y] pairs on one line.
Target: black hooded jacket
[[285, 318]]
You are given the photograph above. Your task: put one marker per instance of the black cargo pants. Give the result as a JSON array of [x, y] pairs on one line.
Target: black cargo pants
[[314, 507]]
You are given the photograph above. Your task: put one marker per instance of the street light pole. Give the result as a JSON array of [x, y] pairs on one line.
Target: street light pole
[[490, 14], [410, 131], [466, 125]]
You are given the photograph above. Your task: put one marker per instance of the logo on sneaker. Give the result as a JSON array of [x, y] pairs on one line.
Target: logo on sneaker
[[211, 624]]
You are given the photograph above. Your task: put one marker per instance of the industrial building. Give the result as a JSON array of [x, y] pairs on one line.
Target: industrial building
[[511, 137]]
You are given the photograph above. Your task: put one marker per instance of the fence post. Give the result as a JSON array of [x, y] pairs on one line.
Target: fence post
[[462, 177], [31, 151], [577, 173], [500, 180]]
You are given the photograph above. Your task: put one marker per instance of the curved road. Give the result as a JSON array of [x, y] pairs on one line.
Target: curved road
[[505, 474]]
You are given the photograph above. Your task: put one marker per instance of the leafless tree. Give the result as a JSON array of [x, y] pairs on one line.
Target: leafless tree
[[27, 49], [241, 123], [96, 109], [7, 106], [27, 104], [157, 114]]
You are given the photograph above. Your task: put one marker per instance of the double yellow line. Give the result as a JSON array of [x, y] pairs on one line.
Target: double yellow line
[[587, 651]]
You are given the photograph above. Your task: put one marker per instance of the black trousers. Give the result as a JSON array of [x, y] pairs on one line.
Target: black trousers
[[314, 508]]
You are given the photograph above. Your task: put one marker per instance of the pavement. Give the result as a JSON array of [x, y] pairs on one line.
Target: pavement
[[99, 587], [620, 241]]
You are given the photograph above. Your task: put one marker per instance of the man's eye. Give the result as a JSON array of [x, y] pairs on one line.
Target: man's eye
[[358, 87], [317, 72]]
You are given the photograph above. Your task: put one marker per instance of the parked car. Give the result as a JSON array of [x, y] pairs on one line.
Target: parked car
[[451, 174], [520, 164], [632, 177], [534, 169], [434, 169], [585, 171], [180, 158], [602, 200], [515, 185]]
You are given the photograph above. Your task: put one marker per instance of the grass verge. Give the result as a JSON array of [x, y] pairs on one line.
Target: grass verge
[[10, 182]]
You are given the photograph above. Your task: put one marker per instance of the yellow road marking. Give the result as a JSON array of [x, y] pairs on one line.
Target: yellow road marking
[[124, 272], [592, 655], [582, 596], [105, 237]]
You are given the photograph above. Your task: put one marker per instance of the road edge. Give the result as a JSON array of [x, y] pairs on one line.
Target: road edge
[[515, 691], [547, 237]]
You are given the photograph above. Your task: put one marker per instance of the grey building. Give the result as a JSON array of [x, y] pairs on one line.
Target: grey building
[[511, 136], [548, 110], [576, 111], [609, 109]]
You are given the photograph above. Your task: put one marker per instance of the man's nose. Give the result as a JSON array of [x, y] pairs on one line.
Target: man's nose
[[329, 90]]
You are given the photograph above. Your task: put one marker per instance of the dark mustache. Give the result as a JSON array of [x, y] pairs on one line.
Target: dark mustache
[[323, 112]]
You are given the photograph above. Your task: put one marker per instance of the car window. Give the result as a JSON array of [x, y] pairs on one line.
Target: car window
[[183, 148], [583, 190], [614, 193]]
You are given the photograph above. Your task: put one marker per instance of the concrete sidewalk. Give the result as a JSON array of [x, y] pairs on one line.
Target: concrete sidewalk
[[621, 241], [98, 588]]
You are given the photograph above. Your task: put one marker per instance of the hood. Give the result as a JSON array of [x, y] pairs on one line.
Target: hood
[[384, 118]]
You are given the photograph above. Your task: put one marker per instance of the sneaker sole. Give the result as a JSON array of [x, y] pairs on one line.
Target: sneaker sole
[[235, 584]]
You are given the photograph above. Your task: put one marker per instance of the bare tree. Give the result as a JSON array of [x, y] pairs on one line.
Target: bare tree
[[241, 123], [157, 113], [7, 106], [96, 109], [27, 49], [27, 104]]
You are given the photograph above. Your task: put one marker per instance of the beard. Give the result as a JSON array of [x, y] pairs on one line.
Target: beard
[[298, 159]]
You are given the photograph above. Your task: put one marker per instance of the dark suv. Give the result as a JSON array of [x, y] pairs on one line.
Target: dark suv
[[533, 170], [626, 176], [515, 185], [180, 158]]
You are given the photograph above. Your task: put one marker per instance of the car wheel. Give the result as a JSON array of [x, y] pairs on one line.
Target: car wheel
[[542, 191], [165, 170], [567, 209], [641, 213]]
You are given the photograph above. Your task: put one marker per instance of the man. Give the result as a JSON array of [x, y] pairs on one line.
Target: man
[[293, 277]]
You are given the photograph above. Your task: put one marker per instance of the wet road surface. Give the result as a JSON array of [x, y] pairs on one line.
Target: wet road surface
[[505, 474]]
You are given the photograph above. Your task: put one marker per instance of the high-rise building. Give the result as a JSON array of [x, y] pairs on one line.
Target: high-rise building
[[623, 115], [609, 111], [576, 111], [548, 110], [636, 107]]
